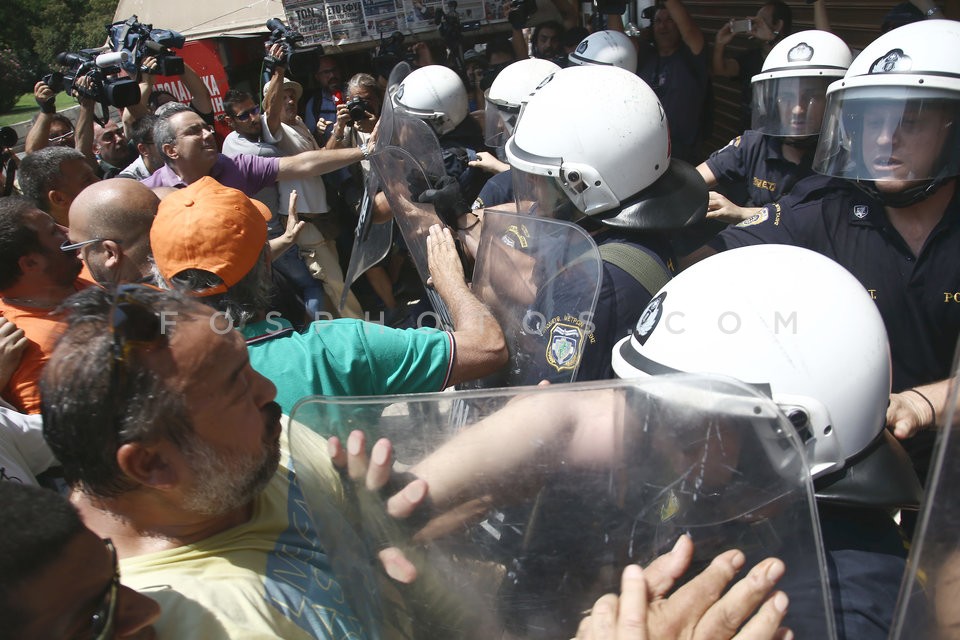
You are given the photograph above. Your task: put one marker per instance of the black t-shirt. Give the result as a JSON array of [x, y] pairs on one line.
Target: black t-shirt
[[918, 297]]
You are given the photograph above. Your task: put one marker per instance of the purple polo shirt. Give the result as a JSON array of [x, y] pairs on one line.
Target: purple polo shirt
[[245, 173]]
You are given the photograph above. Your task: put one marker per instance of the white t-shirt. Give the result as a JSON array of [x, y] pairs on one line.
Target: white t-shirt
[[311, 192], [23, 451]]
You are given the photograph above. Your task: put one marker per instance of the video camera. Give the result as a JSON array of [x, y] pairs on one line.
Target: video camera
[[391, 52], [451, 28], [105, 87], [520, 12], [142, 40], [282, 34]]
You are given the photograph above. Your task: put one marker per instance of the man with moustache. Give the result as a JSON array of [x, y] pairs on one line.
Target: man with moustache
[[175, 450]]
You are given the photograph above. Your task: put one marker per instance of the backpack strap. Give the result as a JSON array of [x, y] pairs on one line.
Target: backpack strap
[[639, 265]]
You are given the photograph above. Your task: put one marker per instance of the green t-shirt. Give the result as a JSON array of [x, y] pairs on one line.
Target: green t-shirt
[[348, 358]]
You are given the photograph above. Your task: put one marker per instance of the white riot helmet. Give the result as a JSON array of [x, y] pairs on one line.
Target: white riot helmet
[[436, 95], [606, 48], [790, 93], [508, 93], [891, 124], [614, 165], [792, 323]]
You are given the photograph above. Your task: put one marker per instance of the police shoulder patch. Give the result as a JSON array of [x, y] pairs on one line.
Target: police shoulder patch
[[564, 344], [757, 218]]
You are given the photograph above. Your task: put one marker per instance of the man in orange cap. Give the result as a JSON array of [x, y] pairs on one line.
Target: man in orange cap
[[210, 240]]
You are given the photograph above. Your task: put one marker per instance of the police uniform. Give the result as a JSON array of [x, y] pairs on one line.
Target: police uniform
[[620, 302], [497, 190], [918, 297], [751, 170]]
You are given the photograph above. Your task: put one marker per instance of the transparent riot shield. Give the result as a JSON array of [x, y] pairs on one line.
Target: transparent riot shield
[[410, 163], [929, 603], [537, 506], [371, 241], [540, 278], [400, 71]]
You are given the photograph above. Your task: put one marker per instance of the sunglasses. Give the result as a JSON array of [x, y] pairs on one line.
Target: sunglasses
[[60, 138], [133, 323], [73, 246], [243, 116], [104, 618]]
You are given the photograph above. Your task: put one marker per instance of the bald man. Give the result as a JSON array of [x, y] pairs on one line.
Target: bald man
[[110, 226]]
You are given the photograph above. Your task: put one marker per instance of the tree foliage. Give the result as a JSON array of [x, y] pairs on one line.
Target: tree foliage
[[32, 32]]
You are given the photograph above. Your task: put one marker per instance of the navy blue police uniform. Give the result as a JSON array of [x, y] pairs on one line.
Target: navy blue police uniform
[[751, 170]]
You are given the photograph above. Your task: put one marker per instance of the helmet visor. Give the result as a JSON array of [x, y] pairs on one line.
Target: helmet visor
[[498, 125], [791, 107], [889, 135], [542, 196]]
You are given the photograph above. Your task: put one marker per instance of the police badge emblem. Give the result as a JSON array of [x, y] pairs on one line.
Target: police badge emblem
[[757, 218], [649, 318], [564, 345], [895, 61], [800, 53], [861, 211]]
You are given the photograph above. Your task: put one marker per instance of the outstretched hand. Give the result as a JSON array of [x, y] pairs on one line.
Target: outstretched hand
[[699, 609], [372, 475]]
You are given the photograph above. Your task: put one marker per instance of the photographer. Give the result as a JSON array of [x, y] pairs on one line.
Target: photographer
[[55, 129], [770, 25], [674, 64], [150, 99], [287, 131]]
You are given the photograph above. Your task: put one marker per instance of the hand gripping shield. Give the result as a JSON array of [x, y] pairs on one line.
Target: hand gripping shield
[[537, 506]]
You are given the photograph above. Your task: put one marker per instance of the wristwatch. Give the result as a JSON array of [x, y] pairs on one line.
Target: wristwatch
[[932, 11], [364, 150]]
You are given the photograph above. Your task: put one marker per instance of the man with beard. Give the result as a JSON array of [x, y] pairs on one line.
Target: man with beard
[[175, 450], [35, 277]]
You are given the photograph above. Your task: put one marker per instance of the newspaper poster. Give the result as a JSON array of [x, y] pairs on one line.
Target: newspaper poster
[[345, 20], [308, 17], [383, 17], [470, 11], [497, 10], [420, 15]]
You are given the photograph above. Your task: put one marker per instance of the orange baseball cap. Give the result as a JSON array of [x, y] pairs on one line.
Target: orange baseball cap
[[211, 227]]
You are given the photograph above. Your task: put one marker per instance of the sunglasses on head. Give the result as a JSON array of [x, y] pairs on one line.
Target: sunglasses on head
[[243, 116]]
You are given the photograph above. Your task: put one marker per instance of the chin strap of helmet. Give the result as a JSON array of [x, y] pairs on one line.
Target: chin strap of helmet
[[900, 199]]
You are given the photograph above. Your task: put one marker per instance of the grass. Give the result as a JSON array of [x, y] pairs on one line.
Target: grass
[[26, 106]]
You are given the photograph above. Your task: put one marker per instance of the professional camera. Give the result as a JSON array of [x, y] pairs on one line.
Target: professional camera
[[358, 108], [391, 52], [142, 40], [520, 12], [450, 25], [281, 33], [105, 87]]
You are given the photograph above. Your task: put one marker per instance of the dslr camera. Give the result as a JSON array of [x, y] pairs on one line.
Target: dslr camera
[[358, 108], [105, 87]]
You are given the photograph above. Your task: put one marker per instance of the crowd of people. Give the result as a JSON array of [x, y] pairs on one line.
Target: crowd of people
[[191, 333]]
